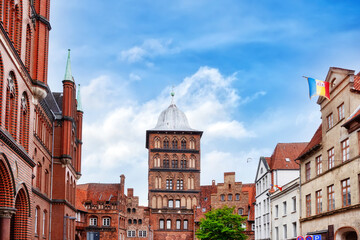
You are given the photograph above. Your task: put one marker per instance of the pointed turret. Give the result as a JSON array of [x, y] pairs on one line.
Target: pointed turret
[[78, 98], [68, 76]]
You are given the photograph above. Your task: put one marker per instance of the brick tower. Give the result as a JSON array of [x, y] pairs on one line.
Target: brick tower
[[174, 175]]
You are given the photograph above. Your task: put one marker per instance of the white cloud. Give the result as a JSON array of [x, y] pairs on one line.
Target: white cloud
[[134, 77], [149, 49]]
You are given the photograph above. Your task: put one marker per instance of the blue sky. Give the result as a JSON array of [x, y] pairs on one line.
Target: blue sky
[[236, 66]]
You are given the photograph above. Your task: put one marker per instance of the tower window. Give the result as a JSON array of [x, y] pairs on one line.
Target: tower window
[[166, 143], [183, 144], [174, 144]]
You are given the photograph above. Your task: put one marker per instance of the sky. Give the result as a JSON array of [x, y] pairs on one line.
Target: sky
[[236, 68]]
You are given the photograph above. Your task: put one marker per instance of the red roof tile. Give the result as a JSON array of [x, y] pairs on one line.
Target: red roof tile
[[315, 140], [80, 198], [250, 188], [357, 81], [100, 191], [285, 154]]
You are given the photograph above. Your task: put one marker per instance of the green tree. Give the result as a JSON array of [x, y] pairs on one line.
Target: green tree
[[221, 224]]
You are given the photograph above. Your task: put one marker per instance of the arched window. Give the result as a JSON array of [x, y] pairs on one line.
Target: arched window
[[10, 115], [18, 27], [174, 162], [129, 210], [240, 211], [139, 221], [178, 224], [36, 223], [222, 197], [157, 142], [93, 221], [166, 143], [134, 210], [192, 161], [183, 144], [237, 197], [134, 221], [169, 183], [174, 143], [166, 161], [161, 224], [106, 221], [185, 224], [130, 221], [38, 175], [179, 184], [24, 121], [192, 143], [28, 47], [183, 162], [168, 224], [44, 225], [230, 196], [171, 203]]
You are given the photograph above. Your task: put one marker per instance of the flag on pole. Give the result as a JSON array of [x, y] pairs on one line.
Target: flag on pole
[[277, 186], [318, 87]]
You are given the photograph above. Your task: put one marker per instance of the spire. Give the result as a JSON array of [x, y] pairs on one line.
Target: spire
[[68, 75], [78, 98], [172, 95]]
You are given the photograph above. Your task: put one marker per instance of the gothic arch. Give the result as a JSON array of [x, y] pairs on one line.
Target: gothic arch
[[24, 121], [157, 142], [19, 221], [7, 188], [18, 26], [11, 104]]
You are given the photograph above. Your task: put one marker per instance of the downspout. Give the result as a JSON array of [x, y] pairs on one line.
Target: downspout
[[52, 171]]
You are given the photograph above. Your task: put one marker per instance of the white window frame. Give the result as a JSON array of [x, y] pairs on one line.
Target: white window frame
[[93, 221], [106, 221]]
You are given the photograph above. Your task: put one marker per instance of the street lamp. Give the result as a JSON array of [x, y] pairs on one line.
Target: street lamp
[[65, 220]]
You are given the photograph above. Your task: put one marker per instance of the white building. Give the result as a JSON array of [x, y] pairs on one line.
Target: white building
[[285, 211], [279, 169]]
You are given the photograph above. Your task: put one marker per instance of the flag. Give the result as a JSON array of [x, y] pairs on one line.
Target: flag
[[280, 188], [318, 87]]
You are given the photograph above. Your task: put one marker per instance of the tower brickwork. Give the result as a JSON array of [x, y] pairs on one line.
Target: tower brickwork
[[174, 175]]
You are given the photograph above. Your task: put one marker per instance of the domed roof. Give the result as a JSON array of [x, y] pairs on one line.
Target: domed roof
[[173, 118]]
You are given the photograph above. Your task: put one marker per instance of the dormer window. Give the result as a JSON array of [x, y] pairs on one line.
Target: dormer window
[[287, 159]]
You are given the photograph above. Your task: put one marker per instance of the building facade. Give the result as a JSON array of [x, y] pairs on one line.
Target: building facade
[[40, 131], [330, 171], [277, 170], [174, 175], [232, 194], [285, 211]]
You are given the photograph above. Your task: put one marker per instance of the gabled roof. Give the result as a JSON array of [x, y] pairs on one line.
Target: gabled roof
[[265, 161], [314, 143], [285, 154], [80, 198], [100, 191], [357, 82]]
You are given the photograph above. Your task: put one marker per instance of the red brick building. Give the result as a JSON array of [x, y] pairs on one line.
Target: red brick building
[[40, 131], [231, 194], [174, 175], [105, 212]]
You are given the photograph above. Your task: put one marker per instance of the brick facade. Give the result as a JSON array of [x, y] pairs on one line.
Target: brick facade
[[37, 187]]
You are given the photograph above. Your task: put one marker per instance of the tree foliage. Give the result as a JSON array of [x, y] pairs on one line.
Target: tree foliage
[[221, 224]]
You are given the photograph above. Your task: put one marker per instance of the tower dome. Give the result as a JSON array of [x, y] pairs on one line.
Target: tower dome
[[173, 118]]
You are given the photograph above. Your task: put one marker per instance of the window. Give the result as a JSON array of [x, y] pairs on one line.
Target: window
[[174, 144], [44, 223], [171, 203], [180, 184], [318, 165], [140, 221], [157, 142], [284, 206], [240, 211], [161, 224], [106, 221], [294, 204], [131, 233], [93, 221], [133, 210], [276, 233], [237, 197], [36, 220], [341, 111], [169, 184], [134, 221], [166, 143], [229, 197], [253, 227], [318, 201], [142, 233], [276, 211], [183, 144], [346, 196], [129, 210], [177, 203], [178, 224], [294, 229], [130, 221], [166, 162], [285, 231], [183, 163], [308, 205], [307, 169], [331, 198], [168, 224], [222, 197], [192, 143], [330, 121], [331, 158], [174, 163], [345, 150], [185, 224]]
